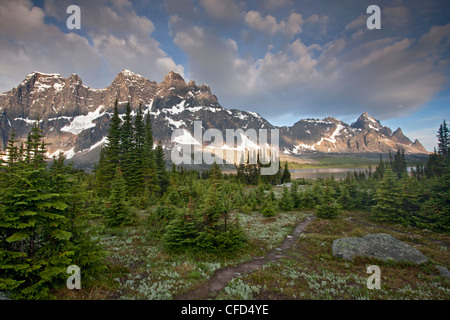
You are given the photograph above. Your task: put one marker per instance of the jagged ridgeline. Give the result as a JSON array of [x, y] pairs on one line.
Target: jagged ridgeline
[[75, 118]]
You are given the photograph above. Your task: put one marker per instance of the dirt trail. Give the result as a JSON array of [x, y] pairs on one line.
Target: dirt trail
[[222, 276]]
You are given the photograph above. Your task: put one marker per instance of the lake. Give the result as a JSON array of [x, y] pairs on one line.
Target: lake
[[338, 173]]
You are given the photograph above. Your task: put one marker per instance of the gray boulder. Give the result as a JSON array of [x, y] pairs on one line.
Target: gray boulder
[[3, 296], [380, 246], [443, 272]]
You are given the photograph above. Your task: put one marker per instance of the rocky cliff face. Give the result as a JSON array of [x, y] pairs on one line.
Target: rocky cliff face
[[329, 135], [75, 118]]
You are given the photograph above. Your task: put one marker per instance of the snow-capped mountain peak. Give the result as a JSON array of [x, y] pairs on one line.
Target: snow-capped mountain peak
[[75, 117]]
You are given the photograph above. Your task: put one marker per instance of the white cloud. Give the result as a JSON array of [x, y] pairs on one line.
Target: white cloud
[[269, 24], [275, 4], [396, 16], [224, 11], [293, 25], [185, 8], [212, 57], [317, 24], [113, 38], [357, 23], [389, 77], [135, 53], [28, 44]]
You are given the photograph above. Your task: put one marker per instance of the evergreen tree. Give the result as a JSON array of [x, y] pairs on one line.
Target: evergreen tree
[[118, 210], [434, 165], [39, 226], [295, 196], [286, 203], [286, 177], [328, 207], [214, 207], [443, 139], [127, 144], [387, 198], [241, 169], [349, 197], [149, 171], [278, 175], [87, 252], [135, 176], [12, 151], [216, 174], [268, 207], [399, 164], [410, 200], [379, 170], [217, 233], [100, 171], [161, 170], [181, 233], [110, 160], [435, 209]]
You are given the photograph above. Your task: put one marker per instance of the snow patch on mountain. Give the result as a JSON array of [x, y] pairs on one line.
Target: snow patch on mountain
[[28, 121], [303, 146], [186, 138], [174, 123], [81, 123], [177, 108], [333, 136]]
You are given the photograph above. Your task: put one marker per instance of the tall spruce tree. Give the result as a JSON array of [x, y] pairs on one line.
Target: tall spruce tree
[[37, 234], [118, 212], [286, 177], [295, 195], [399, 164], [106, 168], [387, 198], [328, 207], [181, 233], [161, 170], [214, 206], [443, 139], [127, 144], [135, 176], [268, 207], [149, 171], [286, 202]]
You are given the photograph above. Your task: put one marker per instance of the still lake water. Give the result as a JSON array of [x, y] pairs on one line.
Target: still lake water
[[338, 173]]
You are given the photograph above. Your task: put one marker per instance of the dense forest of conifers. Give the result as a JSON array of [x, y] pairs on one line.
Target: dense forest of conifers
[[48, 211]]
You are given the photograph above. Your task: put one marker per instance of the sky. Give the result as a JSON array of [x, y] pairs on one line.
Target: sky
[[284, 59]]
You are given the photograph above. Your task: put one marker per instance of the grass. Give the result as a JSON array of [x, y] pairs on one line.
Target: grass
[[140, 268], [310, 271]]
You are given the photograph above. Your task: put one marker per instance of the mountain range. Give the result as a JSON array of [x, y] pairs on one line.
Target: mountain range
[[75, 118]]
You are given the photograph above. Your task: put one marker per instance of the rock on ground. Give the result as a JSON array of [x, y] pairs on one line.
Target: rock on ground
[[3, 296], [380, 246], [443, 272]]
